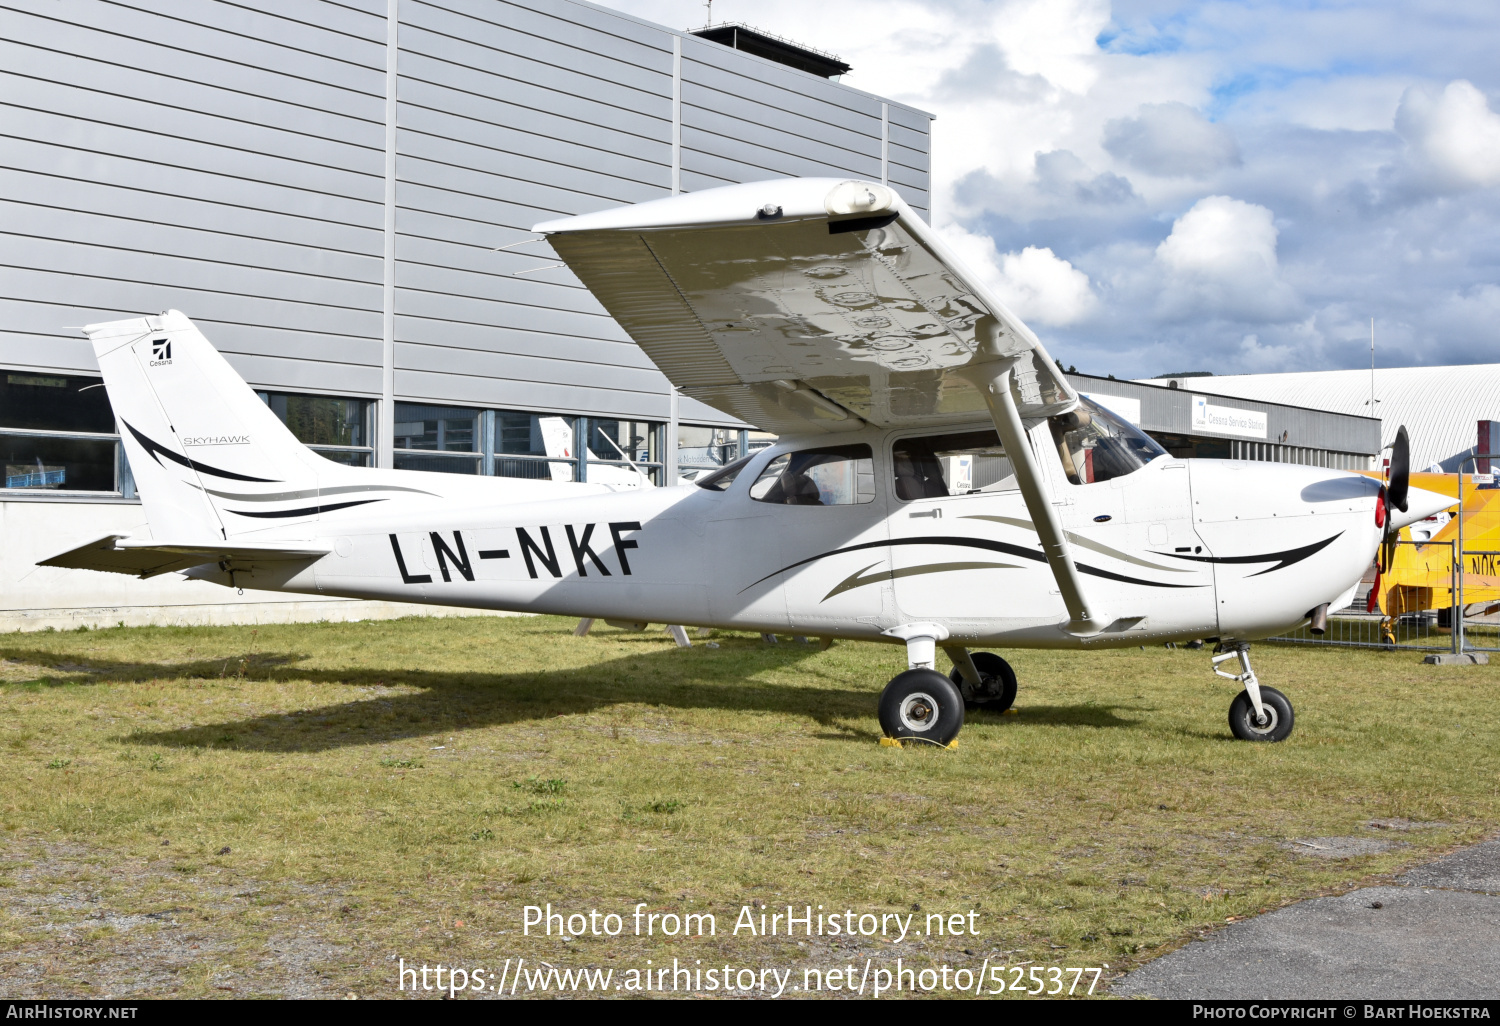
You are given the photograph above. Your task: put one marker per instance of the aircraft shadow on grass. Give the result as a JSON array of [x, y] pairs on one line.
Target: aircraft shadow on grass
[[456, 700]]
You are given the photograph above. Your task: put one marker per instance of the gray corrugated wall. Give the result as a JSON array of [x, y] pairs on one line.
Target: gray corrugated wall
[[220, 160], [228, 160]]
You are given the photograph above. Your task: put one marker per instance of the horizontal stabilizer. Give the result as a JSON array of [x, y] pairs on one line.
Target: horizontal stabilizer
[[116, 554]]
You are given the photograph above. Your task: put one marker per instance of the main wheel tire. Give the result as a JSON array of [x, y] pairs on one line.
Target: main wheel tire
[[997, 690], [921, 705], [1279, 717]]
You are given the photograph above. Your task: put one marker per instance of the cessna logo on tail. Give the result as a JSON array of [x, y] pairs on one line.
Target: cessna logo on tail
[[161, 352]]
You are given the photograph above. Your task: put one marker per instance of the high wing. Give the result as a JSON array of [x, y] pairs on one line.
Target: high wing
[[115, 553], [803, 304]]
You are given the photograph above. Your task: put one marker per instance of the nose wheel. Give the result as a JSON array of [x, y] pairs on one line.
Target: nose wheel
[[1274, 722], [1257, 713]]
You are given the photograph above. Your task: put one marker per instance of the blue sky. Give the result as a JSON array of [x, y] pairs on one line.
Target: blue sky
[[1158, 186]]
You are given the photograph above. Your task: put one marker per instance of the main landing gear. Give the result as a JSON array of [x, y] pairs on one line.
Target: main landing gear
[[922, 704], [1257, 713], [984, 679]]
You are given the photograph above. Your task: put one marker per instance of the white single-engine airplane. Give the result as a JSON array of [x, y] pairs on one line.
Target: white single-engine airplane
[[937, 481]]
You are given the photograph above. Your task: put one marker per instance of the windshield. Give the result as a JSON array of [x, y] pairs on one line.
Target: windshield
[[1095, 445]]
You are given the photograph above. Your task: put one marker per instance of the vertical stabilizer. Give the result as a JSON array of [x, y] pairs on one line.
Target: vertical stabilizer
[[195, 433]]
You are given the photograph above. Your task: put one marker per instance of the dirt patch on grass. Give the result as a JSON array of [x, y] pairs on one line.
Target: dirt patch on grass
[[83, 923], [1339, 847]]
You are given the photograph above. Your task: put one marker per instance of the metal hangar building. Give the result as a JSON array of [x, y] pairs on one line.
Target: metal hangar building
[[339, 193]]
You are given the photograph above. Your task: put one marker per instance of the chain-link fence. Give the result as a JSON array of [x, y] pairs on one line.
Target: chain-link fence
[[1416, 613], [1428, 599]]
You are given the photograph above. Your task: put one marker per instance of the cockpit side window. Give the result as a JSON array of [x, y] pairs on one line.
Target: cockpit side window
[[961, 463], [1095, 445], [842, 475]]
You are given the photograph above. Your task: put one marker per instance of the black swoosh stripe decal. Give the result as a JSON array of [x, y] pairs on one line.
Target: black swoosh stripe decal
[[156, 450], [972, 543], [1286, 557], [306, 511]]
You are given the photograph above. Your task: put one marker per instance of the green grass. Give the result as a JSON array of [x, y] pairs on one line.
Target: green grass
[[377, 784]]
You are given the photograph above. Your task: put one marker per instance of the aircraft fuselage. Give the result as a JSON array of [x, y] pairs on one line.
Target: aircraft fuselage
[[1178, 549]]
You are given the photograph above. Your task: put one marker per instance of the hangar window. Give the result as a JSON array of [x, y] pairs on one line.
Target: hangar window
[[536, 446], [57, 434], [702, 452], [332, 426], [616, 448], [554, 447], [842, 475], [961, 463], [446, 439]]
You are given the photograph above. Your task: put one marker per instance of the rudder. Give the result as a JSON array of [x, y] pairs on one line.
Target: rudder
[[193, 430]]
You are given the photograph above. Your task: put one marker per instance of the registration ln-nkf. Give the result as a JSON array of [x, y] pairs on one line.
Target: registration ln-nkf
[[937, 482]]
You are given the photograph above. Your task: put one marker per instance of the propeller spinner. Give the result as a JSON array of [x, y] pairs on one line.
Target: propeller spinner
[[1400, 470]]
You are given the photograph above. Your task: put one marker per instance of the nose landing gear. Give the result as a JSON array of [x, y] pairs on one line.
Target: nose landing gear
[[1257, 713]]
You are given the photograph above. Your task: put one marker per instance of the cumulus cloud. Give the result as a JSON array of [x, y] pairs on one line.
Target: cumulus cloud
[[1220, 261], [1072, 135], [1465, 325], [1061, 173], [1453, 134], [1038, 286], [1171, 140], [1257, 358]]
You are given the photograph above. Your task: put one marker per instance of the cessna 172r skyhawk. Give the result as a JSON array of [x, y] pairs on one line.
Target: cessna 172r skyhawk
[[937, 482]]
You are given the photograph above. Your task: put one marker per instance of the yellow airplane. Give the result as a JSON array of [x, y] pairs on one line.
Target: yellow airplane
[[1416, 577]]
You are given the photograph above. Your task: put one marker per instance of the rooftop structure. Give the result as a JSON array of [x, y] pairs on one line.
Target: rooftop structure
[[775, 48]]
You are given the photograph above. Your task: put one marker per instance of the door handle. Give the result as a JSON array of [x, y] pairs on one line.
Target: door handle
[[936, 514]]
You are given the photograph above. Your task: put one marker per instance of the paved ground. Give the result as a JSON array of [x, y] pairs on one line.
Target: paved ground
[[1436, 935]]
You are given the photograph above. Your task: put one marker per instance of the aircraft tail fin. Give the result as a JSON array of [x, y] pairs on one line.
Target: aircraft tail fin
[[199, 440]]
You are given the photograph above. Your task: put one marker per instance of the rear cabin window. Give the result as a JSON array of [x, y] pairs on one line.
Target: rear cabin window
[[842, 475], [964, 463]]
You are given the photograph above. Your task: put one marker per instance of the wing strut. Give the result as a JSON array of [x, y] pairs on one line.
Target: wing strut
[[990, 371]]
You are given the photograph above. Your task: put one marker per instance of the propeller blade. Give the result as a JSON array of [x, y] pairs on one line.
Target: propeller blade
[[1400, 469]]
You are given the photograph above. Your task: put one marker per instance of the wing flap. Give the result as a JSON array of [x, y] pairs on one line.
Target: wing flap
[[801, 318], [116, 554]]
